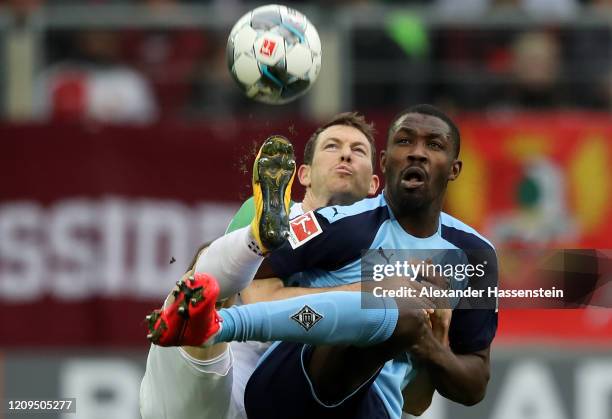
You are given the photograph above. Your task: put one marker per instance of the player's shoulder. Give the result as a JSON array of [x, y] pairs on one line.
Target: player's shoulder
[[462, 235], [365, 207]]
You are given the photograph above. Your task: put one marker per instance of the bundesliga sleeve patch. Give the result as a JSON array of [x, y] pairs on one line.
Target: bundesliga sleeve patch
[[303, 228]]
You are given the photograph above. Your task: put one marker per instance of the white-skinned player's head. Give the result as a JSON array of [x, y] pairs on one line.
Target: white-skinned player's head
[[339, 161]]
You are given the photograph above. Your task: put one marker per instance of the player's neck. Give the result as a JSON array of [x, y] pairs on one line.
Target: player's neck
[[419, 222], [311, 202]]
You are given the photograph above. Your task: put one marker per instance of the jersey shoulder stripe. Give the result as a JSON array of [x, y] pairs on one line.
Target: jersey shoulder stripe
[[462, 235], [336, 213]]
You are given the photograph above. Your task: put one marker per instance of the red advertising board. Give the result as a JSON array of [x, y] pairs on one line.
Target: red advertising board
[[90, 217]]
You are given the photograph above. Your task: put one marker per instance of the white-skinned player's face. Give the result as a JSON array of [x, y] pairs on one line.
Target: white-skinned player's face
[[341, 171]]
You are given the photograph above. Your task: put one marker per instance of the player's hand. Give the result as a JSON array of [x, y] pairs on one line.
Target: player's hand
[[429, 312], [441, 316], [401, 284], [414, 326], [440, 323], [436, 282]]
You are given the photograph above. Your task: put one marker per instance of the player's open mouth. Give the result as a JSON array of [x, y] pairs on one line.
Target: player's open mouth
[[413, 177]]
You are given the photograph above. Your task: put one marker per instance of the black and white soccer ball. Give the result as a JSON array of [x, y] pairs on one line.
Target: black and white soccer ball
[[274, 54]]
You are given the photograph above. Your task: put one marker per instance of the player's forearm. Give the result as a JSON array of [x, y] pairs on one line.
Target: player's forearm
[[273, 289], [418, 393], [290, 292], [460, 378]]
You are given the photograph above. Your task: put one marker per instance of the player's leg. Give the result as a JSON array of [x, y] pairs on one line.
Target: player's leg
[[331, 318], [189, 310], [187, 381], [339, 370], [333, 380], [177, 386], [327, 318], [280, 387], [336, 371], [282, 383], [183, 382], [335, 317], [234, 258], [337, 384]]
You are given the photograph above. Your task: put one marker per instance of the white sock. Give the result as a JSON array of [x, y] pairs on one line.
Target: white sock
[[233, 260]]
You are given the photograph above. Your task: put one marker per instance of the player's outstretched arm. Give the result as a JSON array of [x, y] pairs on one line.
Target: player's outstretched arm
[[259, 226], [273, 289]]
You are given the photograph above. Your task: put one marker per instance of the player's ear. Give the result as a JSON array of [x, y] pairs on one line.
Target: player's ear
[[455, 169], [303, 173], [383, 160], [374, 184]]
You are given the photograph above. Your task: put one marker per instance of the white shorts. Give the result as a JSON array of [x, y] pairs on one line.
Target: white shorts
[[176, 386]]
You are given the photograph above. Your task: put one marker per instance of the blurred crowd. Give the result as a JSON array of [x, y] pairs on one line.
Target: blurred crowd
[[139, 75], [527, 4]]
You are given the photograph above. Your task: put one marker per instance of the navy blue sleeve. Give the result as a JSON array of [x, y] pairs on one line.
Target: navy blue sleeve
[[472, 330], [474, 324], [339, 243]]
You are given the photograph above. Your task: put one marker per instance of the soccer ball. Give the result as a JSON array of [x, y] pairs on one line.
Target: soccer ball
[[274, 54]]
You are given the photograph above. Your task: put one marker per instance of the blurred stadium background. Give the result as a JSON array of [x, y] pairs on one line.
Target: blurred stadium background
[[125, 144]]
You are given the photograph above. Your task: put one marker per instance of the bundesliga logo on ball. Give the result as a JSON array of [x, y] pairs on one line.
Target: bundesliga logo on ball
[[274, 54]]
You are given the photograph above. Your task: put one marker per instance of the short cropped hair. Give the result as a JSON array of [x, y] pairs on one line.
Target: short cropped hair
[[350, 119], [431, 111]]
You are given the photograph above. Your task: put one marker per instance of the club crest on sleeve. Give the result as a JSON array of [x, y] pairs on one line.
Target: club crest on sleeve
[[303, 228], [307, 317]]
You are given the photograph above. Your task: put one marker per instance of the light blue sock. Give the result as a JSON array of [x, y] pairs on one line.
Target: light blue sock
[[325, 318]]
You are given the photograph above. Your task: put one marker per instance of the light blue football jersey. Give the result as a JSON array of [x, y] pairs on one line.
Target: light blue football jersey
[[333, 258]]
